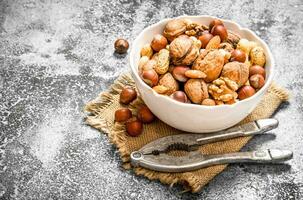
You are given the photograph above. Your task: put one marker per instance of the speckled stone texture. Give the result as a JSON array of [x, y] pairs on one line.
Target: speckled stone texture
[[57, 55]]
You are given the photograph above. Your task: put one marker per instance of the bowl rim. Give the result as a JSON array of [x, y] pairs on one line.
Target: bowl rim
[[195, 106]]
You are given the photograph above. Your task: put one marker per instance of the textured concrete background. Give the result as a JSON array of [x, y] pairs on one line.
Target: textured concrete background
[[57, 55]]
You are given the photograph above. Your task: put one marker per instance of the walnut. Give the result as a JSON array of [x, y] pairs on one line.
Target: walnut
[[223, 89], [194, 29], [184, 50], [236, 71], [196, 90], [191, 33], [211, 63], [162, 61], [174, 28], [168, 81], [179, 48], [233, 38]]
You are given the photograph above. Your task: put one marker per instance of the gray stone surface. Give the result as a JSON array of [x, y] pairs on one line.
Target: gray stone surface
[[57, 55]]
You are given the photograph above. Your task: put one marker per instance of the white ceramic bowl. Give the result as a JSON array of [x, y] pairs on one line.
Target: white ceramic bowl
[[192, 117]]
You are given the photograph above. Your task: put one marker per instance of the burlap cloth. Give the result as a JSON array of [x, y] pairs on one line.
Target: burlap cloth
[[101, 117]]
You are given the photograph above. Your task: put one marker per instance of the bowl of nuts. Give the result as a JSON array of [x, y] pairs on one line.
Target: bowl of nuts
[[199, 73]]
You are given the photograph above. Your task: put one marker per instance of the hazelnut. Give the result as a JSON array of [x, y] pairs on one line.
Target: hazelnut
[[127, 95], [150, 77], [205, 38], [257, 69], [159, 42], [145, 115], [179, 96], [179, 73], [122, 114], [246, 92], [146, 51], [134, 127], [208, 102], [214, 23], [121, 46], [238, 55], [219, 30], [257, 81]]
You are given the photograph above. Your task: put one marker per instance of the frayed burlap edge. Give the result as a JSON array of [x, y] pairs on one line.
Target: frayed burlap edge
[[105, 99]]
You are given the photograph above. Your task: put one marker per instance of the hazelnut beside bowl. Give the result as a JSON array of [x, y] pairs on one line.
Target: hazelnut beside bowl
[[198, 118]]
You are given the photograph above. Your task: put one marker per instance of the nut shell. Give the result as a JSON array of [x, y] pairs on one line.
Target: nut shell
[[256, 69], [210, 63], [257, 81], [219, 30], [233, 38], [142, 62], [134, 127], [174, 28], [179, 73], [127, 95], [179, 47], [150, 77], [236, 71], [257, 56], [159, 42], [179, 96], [214, 23], [122, 114], [226, 46], [146, 51], [196, 90], [193, 52], [145, 115], [160, 89], [168, 81], [246, 92], [205, 38], [121, 46], [238, 55], [162, 61], [208, 102]]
